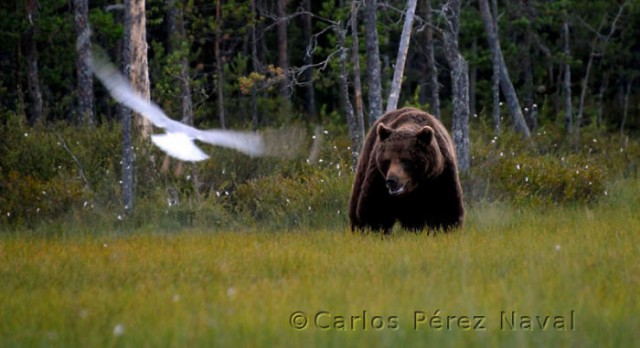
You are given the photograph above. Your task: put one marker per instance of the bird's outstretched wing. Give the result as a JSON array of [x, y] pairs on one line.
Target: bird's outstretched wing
[[178, 141]]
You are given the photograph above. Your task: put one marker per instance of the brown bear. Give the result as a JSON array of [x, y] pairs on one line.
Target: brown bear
[[407, 172]]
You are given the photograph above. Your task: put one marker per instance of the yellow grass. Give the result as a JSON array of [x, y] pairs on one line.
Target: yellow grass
[[578, 268]]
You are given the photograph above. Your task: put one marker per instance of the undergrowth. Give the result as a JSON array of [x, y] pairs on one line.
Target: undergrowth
[[63, 176]]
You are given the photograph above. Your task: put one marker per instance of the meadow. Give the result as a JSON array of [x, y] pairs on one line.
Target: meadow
[[564, 275]]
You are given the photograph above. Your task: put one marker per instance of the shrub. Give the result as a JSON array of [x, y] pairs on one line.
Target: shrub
[[548, 168]]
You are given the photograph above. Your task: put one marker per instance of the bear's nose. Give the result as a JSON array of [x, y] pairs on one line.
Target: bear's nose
[[392, 183]]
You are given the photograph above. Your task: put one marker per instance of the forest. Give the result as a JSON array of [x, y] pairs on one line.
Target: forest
[[547, 77]]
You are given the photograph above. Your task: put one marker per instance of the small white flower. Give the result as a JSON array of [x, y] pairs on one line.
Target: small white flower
[[231, 292], [557, 247], [118, 330]]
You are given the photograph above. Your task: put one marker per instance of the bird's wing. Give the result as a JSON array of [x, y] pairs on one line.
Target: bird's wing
[[181, 147]]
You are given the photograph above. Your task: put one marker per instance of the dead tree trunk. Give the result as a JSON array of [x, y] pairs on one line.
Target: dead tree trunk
[[219, 67], [598, 47], [625, 110], [84, 91], [432, 71], [139, 65], [505, 82], [255, 65], [33, 73], [355, 60], [126, 117], [283, 55], [352, 123], [310, 92], [459, 83], [566, 85], [373, 60], [403, 49]]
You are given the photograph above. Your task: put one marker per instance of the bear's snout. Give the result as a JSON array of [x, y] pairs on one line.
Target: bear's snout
[[394, 186]]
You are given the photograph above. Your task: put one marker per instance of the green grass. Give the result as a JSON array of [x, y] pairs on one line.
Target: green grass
[[203, 288]]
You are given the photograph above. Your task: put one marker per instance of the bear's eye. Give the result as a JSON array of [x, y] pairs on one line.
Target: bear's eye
[[408, 164]]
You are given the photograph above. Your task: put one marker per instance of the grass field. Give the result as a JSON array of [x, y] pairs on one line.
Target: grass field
[[513, 276]]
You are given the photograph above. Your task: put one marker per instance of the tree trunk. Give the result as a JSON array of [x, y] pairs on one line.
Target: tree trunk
[[403, 49], [139, 73], [459, 84], [598, 47], [126, 117], [352, 123], [625, 110], [185, 76], [505, 82], [84, 113], [566, 86], [473, 78], [495, 77], [33, 74], [219, 67], [432, 71], [255, 65], [310, 92], [373, 60], [355, 59], [603, 88], [283, 55]]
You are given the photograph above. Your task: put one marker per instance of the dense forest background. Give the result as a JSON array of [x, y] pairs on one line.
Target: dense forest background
[[39, 37], [571, 65]]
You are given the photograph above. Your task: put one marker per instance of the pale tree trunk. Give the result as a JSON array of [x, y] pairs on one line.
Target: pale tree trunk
[[625, 110], [506, 86], [432, 71], [355, 59], [126, 117], [179, 44], [374, 69], [603, 88], [352, 123], [139, 65], [495, 77], [473, 78], [283, 55], [219, 67], [310, 92], [459, 84], [403, 49], [598, 48], [84, 91], [530, 108], [33, 73], [255, 65], [566, 86]]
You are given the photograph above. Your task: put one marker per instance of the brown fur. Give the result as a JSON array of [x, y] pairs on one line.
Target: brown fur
[[407, 172]]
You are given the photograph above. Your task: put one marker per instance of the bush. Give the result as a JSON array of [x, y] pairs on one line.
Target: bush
[[547, 168]]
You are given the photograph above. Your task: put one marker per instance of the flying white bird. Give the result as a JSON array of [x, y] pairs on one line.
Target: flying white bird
[[178, 141]]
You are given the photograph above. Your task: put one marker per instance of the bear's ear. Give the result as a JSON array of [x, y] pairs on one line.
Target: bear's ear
[[383, 132], [425, 135]]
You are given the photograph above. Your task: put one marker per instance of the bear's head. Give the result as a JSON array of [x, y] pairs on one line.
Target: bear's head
[[406, 156]]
